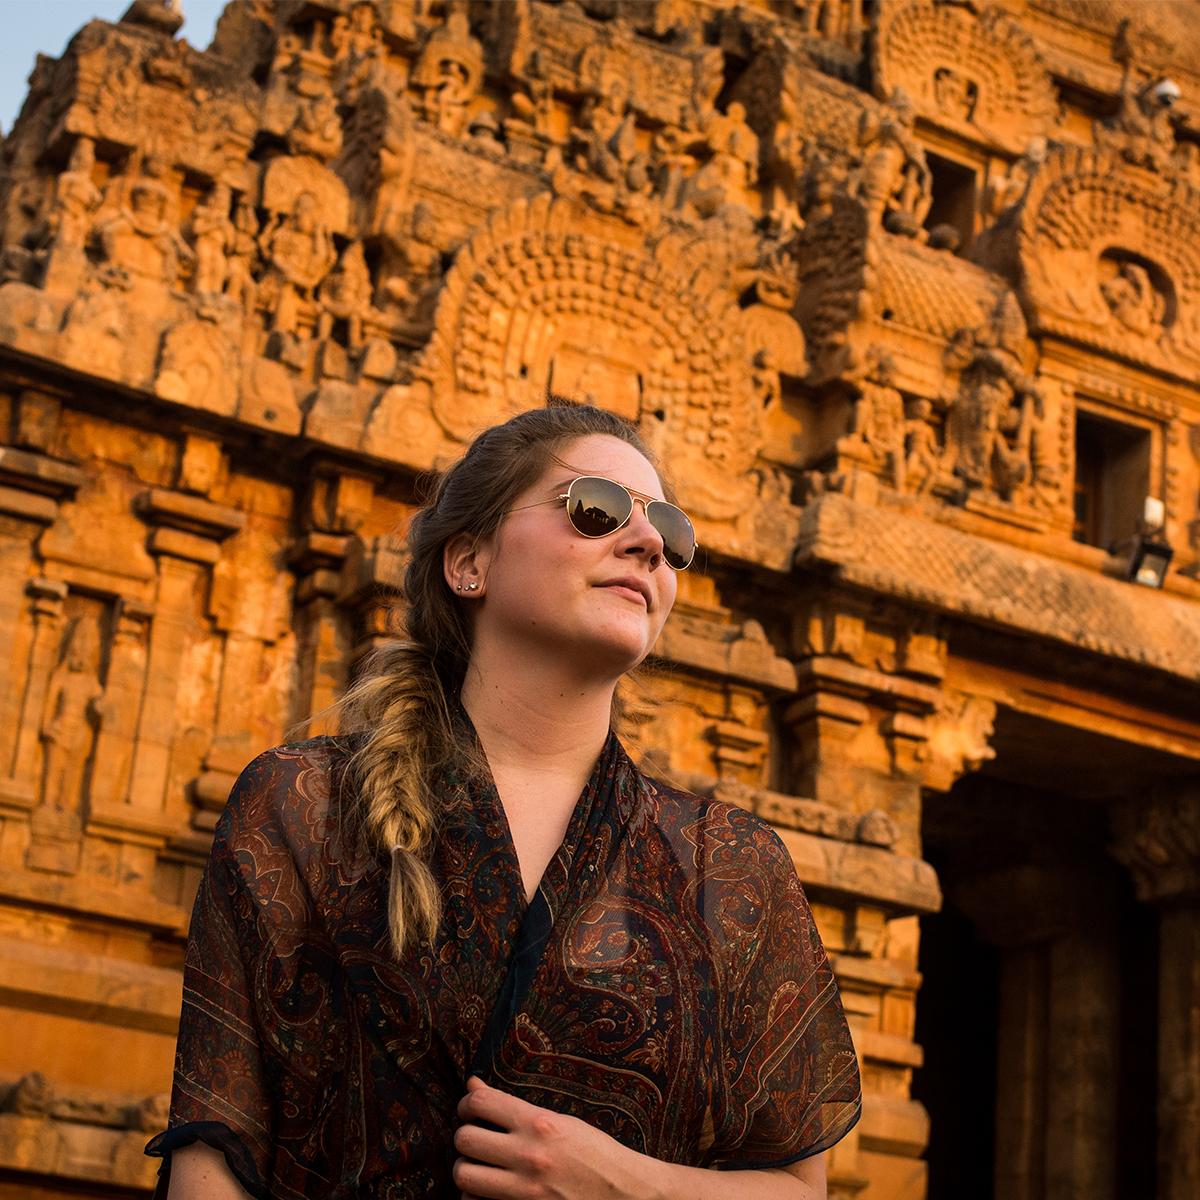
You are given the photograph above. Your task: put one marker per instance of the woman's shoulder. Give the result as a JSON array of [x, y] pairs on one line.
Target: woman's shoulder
[[722, 827], [286, 790]]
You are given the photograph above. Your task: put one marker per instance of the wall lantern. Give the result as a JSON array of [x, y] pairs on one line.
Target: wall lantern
[[1148, 561], [1149, 555]]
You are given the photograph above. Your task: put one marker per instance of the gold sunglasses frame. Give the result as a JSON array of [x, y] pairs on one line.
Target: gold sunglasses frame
[[634, 497]]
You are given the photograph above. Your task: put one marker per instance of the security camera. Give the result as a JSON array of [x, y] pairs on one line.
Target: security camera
[[1165, 92]]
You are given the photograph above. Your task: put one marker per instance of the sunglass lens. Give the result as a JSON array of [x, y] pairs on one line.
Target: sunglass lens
[[679, 538], [598, 506]]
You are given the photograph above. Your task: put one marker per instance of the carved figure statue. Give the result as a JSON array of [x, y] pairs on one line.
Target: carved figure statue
[[357, 36], [418, 264], [299, 252], [346, 295], [956, 95], [75, 198], [243, 251], [1143, 131], [606, 151], [605, 133], [993, 425], [893, 179], [534, 106], [448, 74], [397, 149], [1134, 300], [316, 130], [212, 237], [1010, 188], [922, 454], [62, 243], [140, 241], [68, 712], [879, 422], [733, 166]]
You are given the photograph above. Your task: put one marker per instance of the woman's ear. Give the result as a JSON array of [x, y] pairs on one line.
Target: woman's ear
[[463, 565]]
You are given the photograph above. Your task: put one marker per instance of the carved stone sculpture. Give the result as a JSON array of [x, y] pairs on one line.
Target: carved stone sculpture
[[141, 243], [212, 239], [68, 716], [299, 252]]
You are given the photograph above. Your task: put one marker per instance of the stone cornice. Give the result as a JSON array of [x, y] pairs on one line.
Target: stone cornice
[[975, 579]]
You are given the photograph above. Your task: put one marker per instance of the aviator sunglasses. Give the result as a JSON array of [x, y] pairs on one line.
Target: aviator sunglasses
[[597, 507]]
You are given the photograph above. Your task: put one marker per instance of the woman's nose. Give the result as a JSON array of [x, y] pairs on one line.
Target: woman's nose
[[642, 535]]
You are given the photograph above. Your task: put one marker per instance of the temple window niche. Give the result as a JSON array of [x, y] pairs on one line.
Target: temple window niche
[[1112, 478], [955, 200]]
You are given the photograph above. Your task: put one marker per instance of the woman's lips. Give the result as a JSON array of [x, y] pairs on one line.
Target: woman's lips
[[630, 593]]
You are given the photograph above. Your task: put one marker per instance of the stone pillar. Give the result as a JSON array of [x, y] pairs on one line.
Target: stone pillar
[[185, 536], [119, 708], [322, 636], [337, 574], [32, 485], [1081, 1062], [1058, 1036], [1158, 839], [1020, 1075]]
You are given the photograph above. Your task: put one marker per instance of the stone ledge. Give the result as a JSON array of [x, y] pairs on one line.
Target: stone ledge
[[894, 1125], [76, 895], [94, 1154], [865, 874], [941, 568], [89, 987]]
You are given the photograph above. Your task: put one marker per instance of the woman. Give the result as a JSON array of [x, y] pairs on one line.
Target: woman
[[574, 981]]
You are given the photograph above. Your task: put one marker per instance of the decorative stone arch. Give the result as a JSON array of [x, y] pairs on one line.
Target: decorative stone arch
[[550, 293], [982, 74], [1110, 256]]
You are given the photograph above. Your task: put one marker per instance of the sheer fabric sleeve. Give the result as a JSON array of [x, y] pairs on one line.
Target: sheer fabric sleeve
[[787, 1086], [248, 913]]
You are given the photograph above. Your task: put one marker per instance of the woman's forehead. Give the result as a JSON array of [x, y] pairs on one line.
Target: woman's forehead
[[601, 454]]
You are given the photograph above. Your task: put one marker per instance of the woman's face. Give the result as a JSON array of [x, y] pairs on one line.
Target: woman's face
[[546, 590]]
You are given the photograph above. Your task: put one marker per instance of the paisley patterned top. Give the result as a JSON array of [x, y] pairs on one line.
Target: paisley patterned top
[[666, 984]]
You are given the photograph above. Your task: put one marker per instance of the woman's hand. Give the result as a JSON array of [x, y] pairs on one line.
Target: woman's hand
[[534, 1153]]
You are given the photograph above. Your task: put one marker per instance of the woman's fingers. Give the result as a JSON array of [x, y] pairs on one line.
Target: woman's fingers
[[485, 1103], [483, 1182], [485, 1145]]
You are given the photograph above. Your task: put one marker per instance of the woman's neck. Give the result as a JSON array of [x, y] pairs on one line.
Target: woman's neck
[[542, 721]]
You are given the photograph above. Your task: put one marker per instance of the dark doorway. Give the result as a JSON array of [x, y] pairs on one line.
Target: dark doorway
[[956, 1024], [1038, 1004]]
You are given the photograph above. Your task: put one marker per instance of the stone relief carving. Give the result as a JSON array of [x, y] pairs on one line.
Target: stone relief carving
[[70, 223], [891, 178], [141, 244], [70, 713], [996, 422], [1111, 258], [970, 67], [448, 74], [298, 250], [543, 269], [212, 240]]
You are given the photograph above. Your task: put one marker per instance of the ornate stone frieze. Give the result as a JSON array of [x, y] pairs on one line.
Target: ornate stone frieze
[[974, 70], [531, 299], [944, 569], [1107, 254]]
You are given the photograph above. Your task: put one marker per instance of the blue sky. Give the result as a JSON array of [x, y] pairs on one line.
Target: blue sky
[[45, 26]]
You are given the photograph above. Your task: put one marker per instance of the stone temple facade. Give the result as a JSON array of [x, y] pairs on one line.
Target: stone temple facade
[[907, 295]]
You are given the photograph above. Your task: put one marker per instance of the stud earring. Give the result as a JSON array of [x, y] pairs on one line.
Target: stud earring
[[472, 586]]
